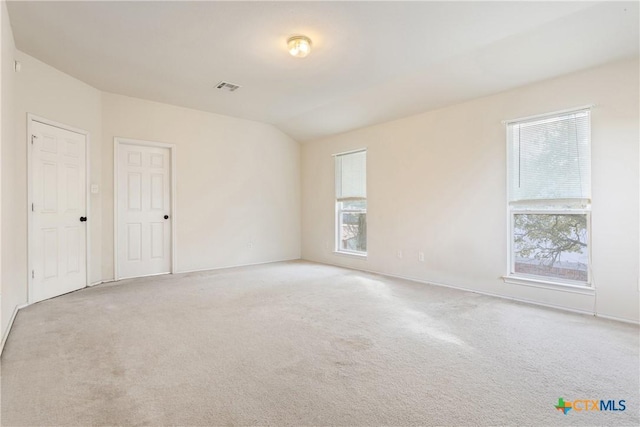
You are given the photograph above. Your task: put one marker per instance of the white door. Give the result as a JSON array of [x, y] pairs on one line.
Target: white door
[[58, 241], [144, 209]]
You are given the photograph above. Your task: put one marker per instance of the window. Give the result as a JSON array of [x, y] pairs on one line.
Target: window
[[549, 197], [351, 202]]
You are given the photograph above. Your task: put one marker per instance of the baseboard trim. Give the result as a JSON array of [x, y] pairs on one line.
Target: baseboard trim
[[193, 271], [489, 294], [5, 336], [236, 266], [100, 282], [617, 319]]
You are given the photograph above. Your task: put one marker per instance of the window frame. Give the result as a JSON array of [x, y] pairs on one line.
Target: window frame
[[339, 210], [552, 207]]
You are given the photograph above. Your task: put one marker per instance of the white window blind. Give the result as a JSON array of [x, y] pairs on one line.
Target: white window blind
[[550, 158], [351, 176]]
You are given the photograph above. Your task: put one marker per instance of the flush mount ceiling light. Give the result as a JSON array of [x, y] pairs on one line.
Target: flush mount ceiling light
[[299, 46]]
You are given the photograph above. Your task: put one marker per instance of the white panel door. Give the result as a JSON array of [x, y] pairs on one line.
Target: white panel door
[[58, 240], [144, 208]]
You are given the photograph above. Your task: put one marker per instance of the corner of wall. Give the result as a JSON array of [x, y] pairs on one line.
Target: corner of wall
[[10, 296]]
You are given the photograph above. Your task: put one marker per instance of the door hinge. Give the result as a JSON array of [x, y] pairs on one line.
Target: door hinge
[[33, 209], [33, 274]]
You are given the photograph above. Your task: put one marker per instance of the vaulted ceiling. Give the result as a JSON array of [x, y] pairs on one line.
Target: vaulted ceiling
[[371, 61]]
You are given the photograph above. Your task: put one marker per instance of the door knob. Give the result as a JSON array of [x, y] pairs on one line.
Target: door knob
[[83, 219], [166, 217]]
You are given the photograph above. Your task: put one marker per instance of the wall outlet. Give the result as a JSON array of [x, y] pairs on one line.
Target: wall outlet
[[250, 245], [399, 253], [421, 256]]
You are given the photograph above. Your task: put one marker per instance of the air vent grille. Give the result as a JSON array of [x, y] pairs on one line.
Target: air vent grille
[[227, 86]]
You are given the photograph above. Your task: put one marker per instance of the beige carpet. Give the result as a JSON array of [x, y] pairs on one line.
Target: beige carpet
[[299, 343]]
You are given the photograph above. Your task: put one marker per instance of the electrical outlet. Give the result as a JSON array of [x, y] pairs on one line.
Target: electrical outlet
[[250, 245], [399, 253], [421, 256]]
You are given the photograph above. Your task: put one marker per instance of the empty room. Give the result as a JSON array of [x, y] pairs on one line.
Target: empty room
[[307, 213]]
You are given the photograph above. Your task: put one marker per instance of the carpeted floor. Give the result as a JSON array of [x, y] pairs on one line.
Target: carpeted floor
[[299, 343]]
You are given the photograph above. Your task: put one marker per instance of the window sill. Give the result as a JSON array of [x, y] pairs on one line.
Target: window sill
[[351, 255], [548, 284]]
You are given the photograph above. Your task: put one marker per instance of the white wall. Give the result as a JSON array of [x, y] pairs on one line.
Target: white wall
[[437, 184], [9, 299], [238, 183]]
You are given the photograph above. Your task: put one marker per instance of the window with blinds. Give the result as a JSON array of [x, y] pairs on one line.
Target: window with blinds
[[550, 158], [549, 197], [351, 202]]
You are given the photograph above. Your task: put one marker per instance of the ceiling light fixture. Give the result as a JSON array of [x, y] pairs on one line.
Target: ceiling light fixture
[[299, 46]]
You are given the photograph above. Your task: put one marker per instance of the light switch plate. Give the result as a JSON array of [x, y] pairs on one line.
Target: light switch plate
[[95, 189]]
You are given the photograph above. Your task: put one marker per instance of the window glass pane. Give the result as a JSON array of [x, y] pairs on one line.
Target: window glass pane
[[353, 233], [551, 245]]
